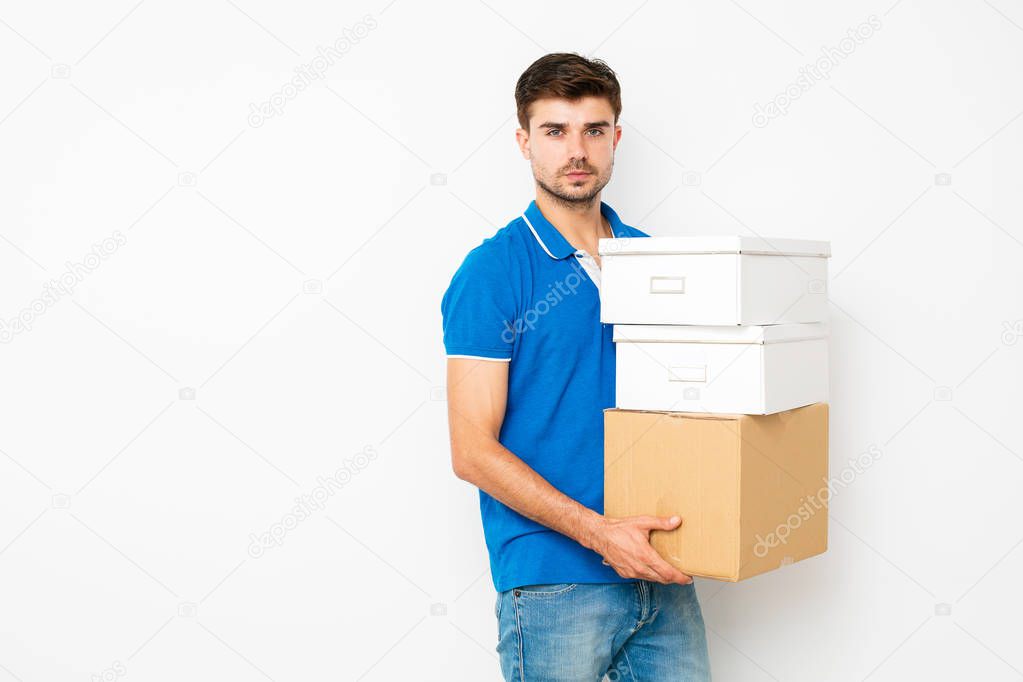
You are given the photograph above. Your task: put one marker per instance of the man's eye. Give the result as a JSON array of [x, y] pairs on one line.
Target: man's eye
[[598, 131], [553, 130]]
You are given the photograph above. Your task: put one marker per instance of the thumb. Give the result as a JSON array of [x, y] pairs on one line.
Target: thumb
[[670, 523], [659, 522]]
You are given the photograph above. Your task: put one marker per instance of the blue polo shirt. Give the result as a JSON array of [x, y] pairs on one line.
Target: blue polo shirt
[[524, 297]]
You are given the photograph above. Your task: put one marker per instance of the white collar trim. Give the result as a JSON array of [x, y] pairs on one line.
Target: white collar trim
[[544, 246], [540, 241]]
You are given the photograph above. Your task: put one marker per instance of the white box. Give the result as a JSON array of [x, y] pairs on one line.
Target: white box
[[733, 370], [713, 280]]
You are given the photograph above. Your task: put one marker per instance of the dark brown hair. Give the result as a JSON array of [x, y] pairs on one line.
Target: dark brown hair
[[567, 75]]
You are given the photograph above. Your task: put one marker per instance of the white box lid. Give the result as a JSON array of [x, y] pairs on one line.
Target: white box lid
[[691, 333], [769, 246]]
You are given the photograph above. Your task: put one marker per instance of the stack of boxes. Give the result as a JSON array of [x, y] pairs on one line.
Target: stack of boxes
[[721, 385]]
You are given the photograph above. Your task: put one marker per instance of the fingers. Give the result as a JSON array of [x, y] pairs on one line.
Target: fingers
[[664, 575], [669, 573], [646, 572], [658, 522], [658, 574], [637, 570], [653, 568]]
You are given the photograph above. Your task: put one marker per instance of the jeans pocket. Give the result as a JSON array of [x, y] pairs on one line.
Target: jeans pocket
[[546, 590]]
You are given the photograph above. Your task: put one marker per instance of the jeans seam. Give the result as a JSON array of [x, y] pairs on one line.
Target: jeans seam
[[518, 635], [625, 652], [498, 612]]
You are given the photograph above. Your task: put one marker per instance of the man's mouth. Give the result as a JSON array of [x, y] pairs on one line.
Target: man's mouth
[[577, 175]]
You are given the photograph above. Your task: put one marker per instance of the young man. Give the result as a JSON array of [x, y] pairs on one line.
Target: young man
[[530, 371]]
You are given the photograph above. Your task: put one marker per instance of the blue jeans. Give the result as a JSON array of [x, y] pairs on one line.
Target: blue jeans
[[572, 632]]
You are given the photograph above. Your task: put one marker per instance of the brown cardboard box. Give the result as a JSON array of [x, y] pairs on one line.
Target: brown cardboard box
[[752, 490]]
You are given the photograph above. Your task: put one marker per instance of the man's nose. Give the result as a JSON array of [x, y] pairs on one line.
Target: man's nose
[[576, 148]]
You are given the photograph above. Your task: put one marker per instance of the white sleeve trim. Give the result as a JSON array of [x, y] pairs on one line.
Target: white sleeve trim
[[480, 357]]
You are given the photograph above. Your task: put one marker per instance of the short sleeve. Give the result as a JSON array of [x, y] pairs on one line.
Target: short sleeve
[[478, 308]]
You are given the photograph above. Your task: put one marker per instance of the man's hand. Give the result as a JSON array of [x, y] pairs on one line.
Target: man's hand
[[625, 545]]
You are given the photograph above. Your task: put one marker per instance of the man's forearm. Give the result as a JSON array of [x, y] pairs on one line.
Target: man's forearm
[[504, 476]]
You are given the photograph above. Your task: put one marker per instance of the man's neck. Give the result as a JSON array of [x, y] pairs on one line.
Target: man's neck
[[580, 224]]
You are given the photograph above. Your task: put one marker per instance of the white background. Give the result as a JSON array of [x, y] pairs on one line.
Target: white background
[[126, 509]]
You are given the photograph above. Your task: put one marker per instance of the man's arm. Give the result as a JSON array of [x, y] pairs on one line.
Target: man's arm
[[477, 393]]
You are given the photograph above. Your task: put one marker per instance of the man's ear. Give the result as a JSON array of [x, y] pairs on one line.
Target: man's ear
[[617, 137], [522, 137]]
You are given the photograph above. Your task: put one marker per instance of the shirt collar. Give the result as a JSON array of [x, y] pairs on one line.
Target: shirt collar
[[552, 241]]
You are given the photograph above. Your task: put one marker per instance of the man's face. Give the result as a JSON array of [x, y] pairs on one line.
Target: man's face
[[570, 145]]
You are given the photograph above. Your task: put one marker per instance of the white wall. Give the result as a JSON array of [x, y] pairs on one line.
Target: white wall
[[127, 511]]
